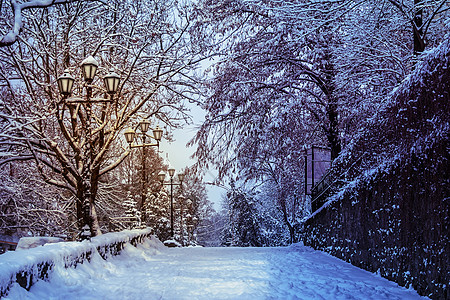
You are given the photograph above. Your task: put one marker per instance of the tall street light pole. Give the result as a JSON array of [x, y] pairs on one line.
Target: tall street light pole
[[161, 177], [65, 82], [130, 135]]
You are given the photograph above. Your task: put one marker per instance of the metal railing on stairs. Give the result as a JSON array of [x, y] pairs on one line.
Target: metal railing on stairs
[[321, 190]]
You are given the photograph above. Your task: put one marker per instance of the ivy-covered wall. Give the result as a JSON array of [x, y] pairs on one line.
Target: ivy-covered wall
[[395, 223]]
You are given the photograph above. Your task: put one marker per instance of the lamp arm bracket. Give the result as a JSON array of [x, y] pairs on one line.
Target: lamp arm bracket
[[82, 100], [75, 100], [144, 145], [95, 86], [101, 100], [168, 183], [148, 135]]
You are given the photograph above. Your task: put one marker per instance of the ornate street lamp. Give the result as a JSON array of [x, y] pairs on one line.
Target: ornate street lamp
[[130, 135], [89, 67], [65, 82], [161, 177], [157, 133], [144, 125], [112, 81], [171, 172]]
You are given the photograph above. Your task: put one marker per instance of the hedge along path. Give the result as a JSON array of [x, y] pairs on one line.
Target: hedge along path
[[26, 267]]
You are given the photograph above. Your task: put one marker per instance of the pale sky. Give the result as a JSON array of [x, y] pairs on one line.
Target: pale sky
[[178, 155]]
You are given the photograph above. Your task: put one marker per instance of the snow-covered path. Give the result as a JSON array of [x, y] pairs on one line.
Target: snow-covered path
[[154, 272]]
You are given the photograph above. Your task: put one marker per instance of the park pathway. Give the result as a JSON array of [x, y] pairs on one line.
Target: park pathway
[[152, 271]]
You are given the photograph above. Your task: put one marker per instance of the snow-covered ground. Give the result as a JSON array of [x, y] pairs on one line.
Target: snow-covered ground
[[152, 271]]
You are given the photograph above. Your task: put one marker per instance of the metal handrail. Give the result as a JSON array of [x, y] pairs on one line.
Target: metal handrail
[[321, 186]]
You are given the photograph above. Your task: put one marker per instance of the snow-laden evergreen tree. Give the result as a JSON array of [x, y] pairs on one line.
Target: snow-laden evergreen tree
[[191, 207], [258, 217], [196, 207], [209, 230], [281, 214], [158, 213], [243, 228], [132, 213]]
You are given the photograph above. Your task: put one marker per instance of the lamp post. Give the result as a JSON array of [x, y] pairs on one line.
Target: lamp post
[[130, 135], [161, 177], [65, 82]]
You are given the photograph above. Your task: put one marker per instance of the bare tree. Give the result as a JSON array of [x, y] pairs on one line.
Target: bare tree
[[71, 140], [290, 73]]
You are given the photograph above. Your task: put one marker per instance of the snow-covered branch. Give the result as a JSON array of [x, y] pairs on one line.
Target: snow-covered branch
[[17, 8]]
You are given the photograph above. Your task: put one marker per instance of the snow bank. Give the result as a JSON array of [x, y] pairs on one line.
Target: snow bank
[[28, 266]]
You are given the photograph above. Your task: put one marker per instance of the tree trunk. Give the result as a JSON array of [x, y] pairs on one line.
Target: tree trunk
[[333, 131], [282, 202], [419, 44], [79, 204], [332, 106], [94, 224]]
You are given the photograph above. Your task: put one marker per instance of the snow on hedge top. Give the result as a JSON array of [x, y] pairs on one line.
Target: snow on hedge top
[[14, 262], [114, 237], [33, 242]]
